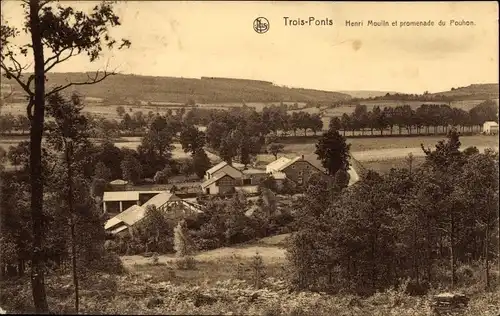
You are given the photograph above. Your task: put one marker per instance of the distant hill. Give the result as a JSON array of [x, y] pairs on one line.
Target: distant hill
[[136, 88], [364, 94], [473, 92]]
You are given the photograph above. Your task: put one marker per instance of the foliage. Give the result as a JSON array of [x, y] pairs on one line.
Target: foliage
[[156, 145], [333, 152], [102, 172], [183, 245], [275, 149], [191, 139], [132, 169], [258, 270], [201, 163], [405, 224]]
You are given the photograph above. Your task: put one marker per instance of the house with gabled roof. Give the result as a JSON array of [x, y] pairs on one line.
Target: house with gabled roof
[[225, 178], [223, 168], [297, 169], [164, 201]]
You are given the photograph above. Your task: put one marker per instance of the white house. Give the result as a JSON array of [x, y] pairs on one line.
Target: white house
[[490, 127]]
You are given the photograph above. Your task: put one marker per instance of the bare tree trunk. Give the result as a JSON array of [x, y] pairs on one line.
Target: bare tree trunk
[[486, 254], [429, 250], [37, 259], [452, 250], [72, 223]]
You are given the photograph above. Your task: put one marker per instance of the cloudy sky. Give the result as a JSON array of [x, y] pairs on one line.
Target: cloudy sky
[[194, 39]]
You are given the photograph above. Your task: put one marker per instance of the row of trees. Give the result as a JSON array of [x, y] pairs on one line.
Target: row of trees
[[424, 117], [417, 223], [426, 96]]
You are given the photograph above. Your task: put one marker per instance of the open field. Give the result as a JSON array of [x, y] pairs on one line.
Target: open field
[[384, 166], [381, 154], [306, 145]]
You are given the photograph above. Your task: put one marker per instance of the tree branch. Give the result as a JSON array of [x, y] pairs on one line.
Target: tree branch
[[17, 77], [90, 81], [57, 60]]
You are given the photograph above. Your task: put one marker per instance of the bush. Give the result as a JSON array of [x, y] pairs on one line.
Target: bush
[[109, 263], [155, 259], [186, 263], [258, 270]]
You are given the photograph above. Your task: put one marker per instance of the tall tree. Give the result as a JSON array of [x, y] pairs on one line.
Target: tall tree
[[131, 169], [333, 152], [191, 138], [69, 134], [201, 162], [275, 149], [64, 33]]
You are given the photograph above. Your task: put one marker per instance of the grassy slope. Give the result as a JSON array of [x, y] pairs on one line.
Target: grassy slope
[[477, 91], [169, 89]]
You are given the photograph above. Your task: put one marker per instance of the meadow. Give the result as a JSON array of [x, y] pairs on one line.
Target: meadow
[[380, 153]]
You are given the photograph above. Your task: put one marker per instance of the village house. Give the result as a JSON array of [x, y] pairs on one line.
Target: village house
[[298, 170], [225, 178], [490, 128], [165, 201]]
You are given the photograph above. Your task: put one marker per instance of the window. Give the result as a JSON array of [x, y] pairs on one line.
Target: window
[[247, 181], [293, 166], [299, 180]]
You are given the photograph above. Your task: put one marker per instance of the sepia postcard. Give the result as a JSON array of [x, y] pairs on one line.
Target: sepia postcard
[[249, 158]]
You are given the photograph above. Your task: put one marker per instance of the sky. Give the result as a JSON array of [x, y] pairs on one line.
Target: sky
[[194, 39]]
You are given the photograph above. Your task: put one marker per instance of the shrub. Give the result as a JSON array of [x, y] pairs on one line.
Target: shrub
[[258, 270], [186, 263], [155, 259], [109, 263], [183, 245]]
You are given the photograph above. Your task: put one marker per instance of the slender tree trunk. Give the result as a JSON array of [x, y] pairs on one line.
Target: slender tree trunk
[[72, 223], [429, 249], [452, 250], [37, 260], [486, 254]]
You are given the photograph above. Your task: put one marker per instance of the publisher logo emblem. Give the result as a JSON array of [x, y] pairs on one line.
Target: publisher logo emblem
[[261, 25]]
